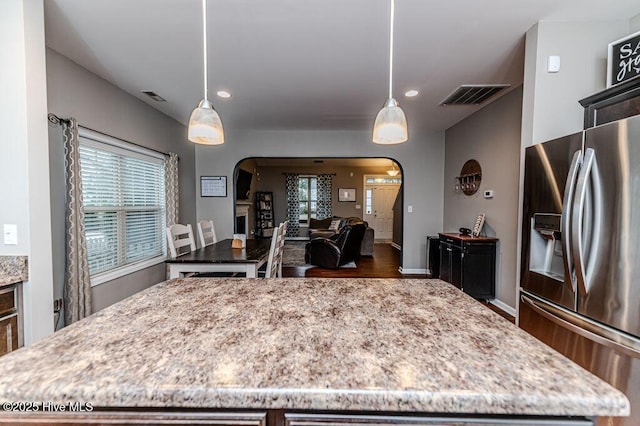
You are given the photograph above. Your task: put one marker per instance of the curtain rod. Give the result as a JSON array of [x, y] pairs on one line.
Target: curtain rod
[[54, 119]]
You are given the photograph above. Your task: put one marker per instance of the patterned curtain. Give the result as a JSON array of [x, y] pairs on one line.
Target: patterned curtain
[[171, 188], [325, 182], [293, 204], [77, 282]]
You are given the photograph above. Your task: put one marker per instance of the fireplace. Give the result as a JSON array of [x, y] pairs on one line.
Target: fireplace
[[241, 224], [242, 218]]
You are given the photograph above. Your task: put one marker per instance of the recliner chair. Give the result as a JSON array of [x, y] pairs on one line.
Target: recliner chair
[[342, 248]]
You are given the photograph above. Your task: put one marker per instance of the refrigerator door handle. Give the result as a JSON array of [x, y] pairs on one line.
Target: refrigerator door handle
[[585, 327], [567, 203], [578, 219]]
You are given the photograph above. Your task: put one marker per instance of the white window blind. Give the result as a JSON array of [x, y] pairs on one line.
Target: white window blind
[[124, 205]]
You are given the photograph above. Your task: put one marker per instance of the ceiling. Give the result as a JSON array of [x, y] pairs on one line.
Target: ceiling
[[312, 64]]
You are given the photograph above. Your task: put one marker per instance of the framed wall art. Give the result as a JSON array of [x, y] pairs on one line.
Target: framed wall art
[[213, 186], [623, 59], [347, 194]]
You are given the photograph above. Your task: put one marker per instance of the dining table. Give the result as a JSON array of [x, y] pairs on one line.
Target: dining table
[[222, 257]]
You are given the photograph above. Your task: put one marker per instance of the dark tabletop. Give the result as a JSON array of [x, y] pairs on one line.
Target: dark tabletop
[[221, 252]]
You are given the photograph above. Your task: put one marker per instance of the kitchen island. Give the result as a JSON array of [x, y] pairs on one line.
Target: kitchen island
[[300, 351]]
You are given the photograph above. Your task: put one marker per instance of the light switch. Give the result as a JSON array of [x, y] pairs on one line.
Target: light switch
[[10, 232], [358, 206], [409, 209]]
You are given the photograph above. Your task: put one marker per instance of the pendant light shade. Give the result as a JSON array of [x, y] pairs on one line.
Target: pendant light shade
[[393, 171], [205, 125], [390, 126]]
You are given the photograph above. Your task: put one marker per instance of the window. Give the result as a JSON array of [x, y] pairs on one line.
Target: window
[[368, 201], [308, 197], [384, 180], [124, 203]]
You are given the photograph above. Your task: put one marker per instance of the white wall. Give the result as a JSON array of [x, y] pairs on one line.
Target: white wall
[[24, 167], [422, 159], [492, 137], [99, 105]]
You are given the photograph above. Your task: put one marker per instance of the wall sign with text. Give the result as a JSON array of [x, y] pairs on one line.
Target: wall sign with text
[[623, 59]]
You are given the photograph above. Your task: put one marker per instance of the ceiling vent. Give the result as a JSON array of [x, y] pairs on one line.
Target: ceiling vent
[[473, 94], [153, 95]]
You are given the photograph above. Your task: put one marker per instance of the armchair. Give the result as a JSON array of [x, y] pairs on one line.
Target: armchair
[[342, 248]]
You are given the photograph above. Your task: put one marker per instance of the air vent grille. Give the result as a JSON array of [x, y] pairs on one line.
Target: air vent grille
[[473, 94], [153, 95]]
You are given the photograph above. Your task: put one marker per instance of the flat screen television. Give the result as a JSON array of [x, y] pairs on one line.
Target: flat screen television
[[243, 184]]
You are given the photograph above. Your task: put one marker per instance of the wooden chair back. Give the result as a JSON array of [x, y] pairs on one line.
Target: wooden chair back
[[206, 233], [180, 239]]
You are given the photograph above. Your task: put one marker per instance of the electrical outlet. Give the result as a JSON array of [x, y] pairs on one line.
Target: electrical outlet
[[57, 305]]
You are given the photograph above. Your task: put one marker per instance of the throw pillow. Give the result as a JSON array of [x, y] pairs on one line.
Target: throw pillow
[[334, 225]]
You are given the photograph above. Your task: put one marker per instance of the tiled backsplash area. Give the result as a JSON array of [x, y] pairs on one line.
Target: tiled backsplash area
[[14, 267]]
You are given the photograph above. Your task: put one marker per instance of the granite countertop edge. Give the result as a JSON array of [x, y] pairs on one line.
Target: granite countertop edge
[[354, 400], [6, 280]]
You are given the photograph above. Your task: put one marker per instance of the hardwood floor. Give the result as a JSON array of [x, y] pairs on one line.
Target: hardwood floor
[[384, 264]]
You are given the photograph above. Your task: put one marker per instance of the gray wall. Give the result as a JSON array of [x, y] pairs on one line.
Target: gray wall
[[97, 104], [492, 137], [551, 107], [422, 160]]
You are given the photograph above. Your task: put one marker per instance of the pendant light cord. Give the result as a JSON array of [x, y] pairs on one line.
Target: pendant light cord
[[391, 48], [204, 43]]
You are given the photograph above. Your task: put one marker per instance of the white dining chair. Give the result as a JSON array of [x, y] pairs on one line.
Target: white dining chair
[[180, 239], [274, 262], [206, 233], [283, 234]]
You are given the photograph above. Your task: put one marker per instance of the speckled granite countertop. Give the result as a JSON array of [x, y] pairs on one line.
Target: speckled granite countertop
[[330, 344], [13, 269]]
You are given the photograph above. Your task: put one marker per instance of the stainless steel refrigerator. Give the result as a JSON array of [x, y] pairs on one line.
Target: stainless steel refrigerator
[[580, 276]]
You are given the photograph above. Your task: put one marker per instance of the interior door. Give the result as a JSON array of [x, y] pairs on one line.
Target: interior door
[[380, 216]]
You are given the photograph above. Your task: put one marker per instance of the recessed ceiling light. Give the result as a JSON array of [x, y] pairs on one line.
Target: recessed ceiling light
[[411, 93], [224, 94]]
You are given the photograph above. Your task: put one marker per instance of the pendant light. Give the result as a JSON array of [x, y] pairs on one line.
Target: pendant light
[[205, 126], [390, 126], [393, 171]]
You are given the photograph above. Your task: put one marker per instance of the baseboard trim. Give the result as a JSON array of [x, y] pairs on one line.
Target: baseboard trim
[[500, 304], [396, 246], [408, 271], [297, 238]]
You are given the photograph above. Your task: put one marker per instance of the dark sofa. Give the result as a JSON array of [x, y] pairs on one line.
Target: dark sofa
[[319, 228], [342, 248]]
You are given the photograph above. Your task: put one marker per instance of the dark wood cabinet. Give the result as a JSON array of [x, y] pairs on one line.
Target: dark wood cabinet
[[615, 103], [10, 318], [469, 264]]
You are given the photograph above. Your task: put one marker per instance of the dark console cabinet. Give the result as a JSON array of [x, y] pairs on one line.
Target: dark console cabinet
[[469, 264]]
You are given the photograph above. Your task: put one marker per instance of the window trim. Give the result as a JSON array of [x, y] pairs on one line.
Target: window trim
[[115, 273], [94, 139]]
